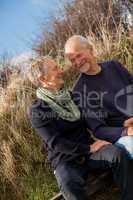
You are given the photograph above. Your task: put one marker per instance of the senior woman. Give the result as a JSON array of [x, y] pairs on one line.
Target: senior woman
[[57, 119]]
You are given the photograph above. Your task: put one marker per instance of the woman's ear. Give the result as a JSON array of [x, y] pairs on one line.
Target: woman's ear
[[42, 81]]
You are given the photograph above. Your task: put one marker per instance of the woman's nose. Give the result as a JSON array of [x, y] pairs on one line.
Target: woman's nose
[[61, 71]]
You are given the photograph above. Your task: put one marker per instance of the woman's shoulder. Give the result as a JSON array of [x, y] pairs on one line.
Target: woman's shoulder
[[38, 113], [36, 106]]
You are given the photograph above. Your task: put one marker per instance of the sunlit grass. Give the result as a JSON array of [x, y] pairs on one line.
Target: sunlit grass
[[24, 172]]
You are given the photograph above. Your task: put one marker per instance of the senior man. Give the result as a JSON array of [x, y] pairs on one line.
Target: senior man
[[104, 90]]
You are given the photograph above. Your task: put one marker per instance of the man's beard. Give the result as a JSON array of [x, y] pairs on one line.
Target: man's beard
[[85, 68]]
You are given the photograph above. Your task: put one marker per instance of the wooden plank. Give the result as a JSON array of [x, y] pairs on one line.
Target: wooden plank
[[58, 197]]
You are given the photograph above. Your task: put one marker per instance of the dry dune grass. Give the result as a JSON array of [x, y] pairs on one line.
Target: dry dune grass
[[24, 171]]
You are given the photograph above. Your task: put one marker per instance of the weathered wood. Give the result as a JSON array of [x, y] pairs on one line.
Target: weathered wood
[[95, 182], [58, 197]]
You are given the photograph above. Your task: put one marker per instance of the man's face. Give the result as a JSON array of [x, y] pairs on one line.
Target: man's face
[[81, 59]]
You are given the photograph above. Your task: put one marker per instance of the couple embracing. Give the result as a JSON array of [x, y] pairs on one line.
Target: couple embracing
[[100, 104]]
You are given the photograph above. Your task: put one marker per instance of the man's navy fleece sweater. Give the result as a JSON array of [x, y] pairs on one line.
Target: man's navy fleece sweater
[[106, 97]]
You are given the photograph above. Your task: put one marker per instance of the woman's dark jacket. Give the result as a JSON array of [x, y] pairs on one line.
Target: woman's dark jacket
[[63, 139]]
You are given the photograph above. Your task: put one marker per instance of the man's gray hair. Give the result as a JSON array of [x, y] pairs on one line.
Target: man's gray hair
[[80, 39]]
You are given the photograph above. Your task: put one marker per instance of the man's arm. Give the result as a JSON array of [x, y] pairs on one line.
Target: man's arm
[[102, 131], [111, 134], [98, 126], [129, 78]]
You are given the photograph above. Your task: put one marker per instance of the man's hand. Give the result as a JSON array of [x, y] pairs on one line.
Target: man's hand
[[98, 145], [129, 122], [130, 131]]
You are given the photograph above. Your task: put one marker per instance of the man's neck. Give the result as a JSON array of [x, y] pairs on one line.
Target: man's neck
[[95, 69]]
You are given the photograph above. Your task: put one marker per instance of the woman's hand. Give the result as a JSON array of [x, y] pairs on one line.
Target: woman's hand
[[98, 145], [129, 122]]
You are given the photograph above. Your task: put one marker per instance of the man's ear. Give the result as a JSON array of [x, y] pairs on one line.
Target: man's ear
[[95, 52], [92, 47]]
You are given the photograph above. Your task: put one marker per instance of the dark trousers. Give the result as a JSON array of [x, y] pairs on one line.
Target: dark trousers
[[72, 176]]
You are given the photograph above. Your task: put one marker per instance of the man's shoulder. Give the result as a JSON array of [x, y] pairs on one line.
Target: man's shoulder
[[82, 76], [113, 66], [117, 66], [108, 63]]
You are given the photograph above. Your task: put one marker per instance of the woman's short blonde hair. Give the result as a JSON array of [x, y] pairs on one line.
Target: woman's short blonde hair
[[38, 67]]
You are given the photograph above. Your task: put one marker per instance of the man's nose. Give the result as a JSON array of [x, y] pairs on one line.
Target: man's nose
[[78, 61]]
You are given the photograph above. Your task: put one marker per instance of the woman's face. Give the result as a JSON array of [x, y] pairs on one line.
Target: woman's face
[[53, 79]]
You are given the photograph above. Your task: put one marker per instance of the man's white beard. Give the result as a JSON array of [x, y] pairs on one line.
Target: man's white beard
[[85, 68]]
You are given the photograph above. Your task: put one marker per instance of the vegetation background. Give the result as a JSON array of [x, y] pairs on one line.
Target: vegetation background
[[25, 172]]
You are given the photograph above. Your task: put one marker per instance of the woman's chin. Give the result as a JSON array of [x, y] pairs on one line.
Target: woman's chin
[[61, 85], [57, 87]]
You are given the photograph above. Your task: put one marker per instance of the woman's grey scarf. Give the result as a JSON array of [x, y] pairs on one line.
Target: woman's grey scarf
[[60, 102]]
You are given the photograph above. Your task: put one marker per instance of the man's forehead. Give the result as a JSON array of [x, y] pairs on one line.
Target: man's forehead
[[71, 51], [75, 47]]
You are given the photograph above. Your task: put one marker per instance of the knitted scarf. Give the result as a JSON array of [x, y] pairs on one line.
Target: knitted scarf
[[60, 102]]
